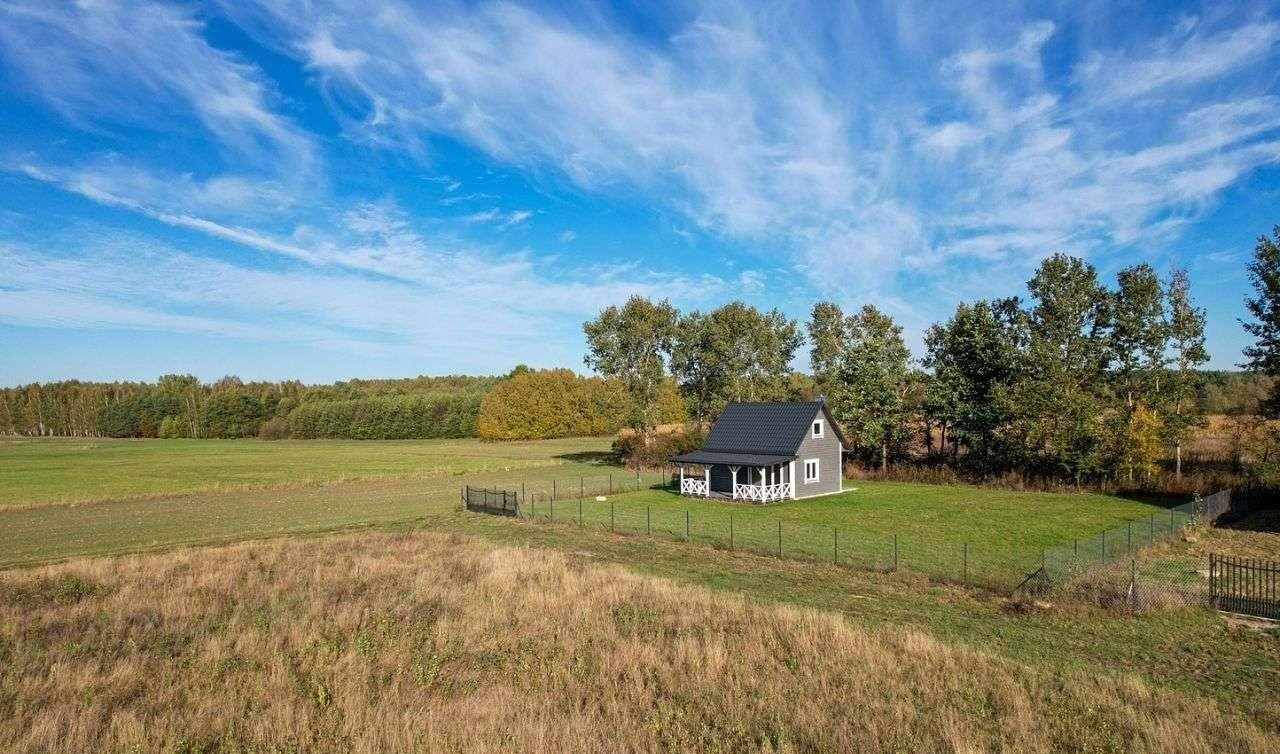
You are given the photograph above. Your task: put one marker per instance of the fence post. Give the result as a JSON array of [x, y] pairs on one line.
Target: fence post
[[1213, 581], [1133, 582], [648, 526], [835, 545], [553, 494], [611, 525], [1075, 549], [686, 524], [610, 484], [731, 531], [579, 511], [552, 517], [895, 551], [779, 537], [582, 485], [966, 562], [1128, 547]]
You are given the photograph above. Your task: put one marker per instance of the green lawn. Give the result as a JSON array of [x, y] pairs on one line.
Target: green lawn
[[928, 528], [57, 470]]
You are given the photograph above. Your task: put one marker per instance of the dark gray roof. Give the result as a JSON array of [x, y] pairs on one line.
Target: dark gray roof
[[771, 432], [706, 458]]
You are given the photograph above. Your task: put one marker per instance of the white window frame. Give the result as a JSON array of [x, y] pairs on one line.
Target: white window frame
[[817, 470], [818, 430]]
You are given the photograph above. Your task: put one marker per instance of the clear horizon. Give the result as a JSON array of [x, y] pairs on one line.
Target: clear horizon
[[317, 193]]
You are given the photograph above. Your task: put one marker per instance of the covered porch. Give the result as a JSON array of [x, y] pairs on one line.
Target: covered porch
[[731, 476]]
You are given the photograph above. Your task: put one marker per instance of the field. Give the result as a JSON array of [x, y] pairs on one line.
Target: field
[[35, 472], [424, 642], [146, 495], [252, 616]]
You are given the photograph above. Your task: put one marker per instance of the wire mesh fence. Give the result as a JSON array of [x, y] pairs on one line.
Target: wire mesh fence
[[1102, 569], [545, 491], [590, 502], [1109, 569]]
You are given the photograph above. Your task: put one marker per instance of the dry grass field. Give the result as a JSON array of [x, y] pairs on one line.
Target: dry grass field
[[426, 642]]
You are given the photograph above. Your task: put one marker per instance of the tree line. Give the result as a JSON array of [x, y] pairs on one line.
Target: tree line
[[1077, 381], [178, 406]]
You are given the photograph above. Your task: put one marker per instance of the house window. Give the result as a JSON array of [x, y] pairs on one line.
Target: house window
[[811, 470], [817, 428]]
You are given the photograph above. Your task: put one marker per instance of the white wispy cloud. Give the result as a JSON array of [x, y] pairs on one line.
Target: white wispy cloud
[[136, 62], [911, 164], [734, 122]]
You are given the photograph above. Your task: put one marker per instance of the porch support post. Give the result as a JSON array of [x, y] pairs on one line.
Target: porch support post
[[791, 475], [706, 475], [733, 486], [682, 479]]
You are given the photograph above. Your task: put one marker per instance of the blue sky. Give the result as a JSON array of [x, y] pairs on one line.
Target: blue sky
[[316, 190]]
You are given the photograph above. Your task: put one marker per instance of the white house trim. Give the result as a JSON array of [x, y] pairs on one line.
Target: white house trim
[[817, 470]]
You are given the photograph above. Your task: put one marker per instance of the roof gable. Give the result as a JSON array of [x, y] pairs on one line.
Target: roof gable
[[765, 428]]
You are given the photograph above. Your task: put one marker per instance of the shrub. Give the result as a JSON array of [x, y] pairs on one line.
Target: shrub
[[172, 427], [634, 452], [274, 429]]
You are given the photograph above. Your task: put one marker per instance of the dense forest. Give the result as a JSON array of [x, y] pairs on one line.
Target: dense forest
[[181, 406]]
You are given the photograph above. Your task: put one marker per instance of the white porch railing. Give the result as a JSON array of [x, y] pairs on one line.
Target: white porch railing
[[762, 493], [692, 486]]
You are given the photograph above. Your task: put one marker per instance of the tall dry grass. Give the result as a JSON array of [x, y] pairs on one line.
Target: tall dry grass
[[425, 643]]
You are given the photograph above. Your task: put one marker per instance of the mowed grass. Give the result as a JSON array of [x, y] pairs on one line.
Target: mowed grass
[[427, 642], [195, 492], [958, 532], [36, 472]]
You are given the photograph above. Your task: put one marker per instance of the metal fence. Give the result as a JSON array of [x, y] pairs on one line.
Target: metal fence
[[587, 502], [1102, 569], [1107, 569], [1245, 585], [544, 491], [493, 501]]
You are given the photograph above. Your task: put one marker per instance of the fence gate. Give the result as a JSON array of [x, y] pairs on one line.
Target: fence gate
[[495, 501], [1245, 585]]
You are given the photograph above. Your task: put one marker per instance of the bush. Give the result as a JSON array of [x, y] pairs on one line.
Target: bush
[[172, 427], [274, 429], [634, 452]]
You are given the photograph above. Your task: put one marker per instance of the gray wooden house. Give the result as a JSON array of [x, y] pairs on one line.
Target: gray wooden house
[[763, 452]]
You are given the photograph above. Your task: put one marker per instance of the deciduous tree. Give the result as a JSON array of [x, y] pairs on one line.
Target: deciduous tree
[[632, 343], [1186, 339], [1264, 308], [873, 381]]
